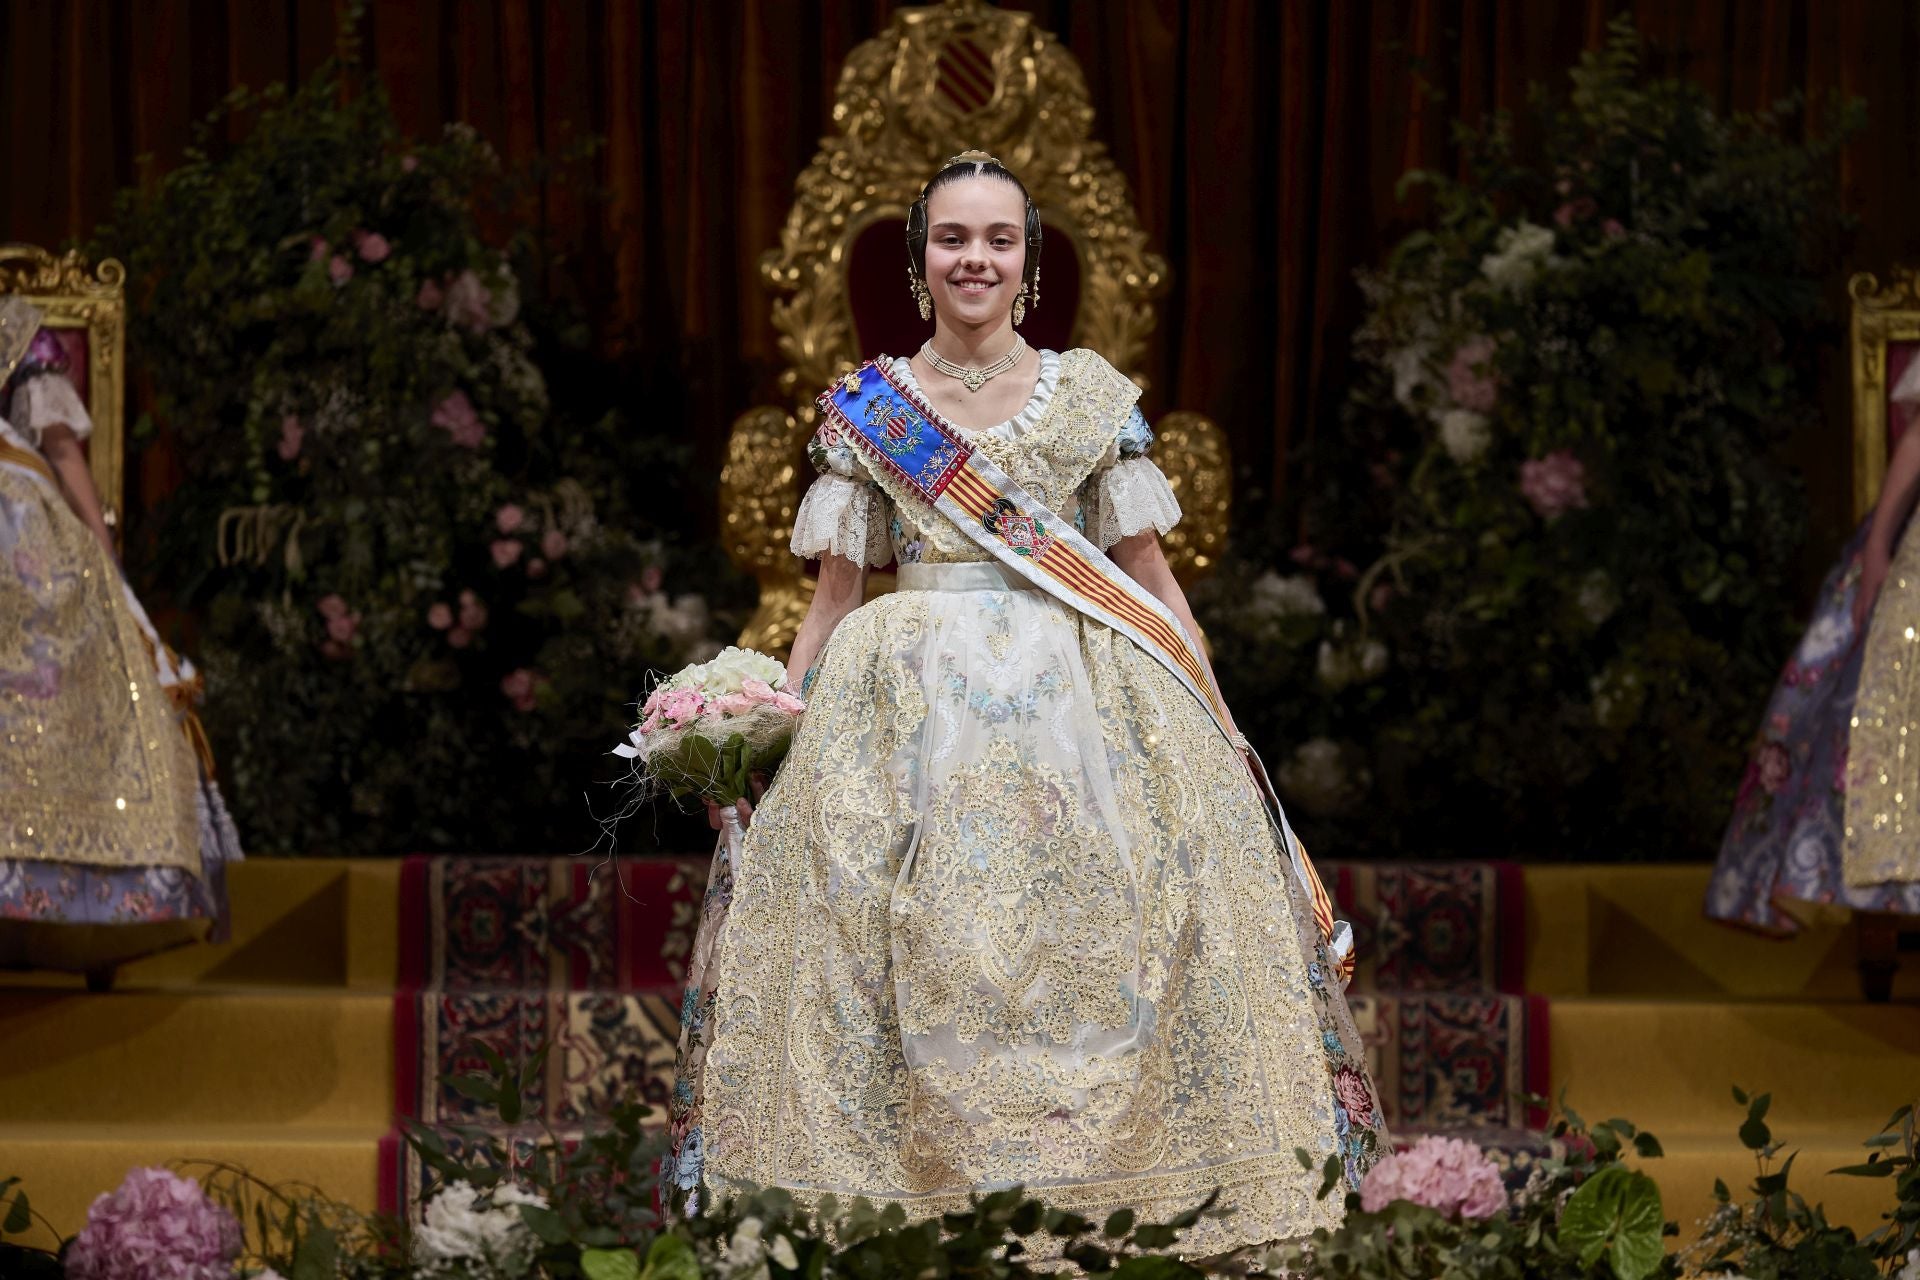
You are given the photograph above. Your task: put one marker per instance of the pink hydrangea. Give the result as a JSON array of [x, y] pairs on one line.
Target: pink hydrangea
[[291, 434], [505, 552], [339, 270], [458, 417], [1469, 384], [1554, 485], [469, 302], [158, 1225], [553, 544], [439, 616], [373, 247], [1448, 1175], [509, 518]]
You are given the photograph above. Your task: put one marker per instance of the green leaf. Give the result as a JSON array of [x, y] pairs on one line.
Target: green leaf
[[1871, 1169], [671, 1258], [19, 1217], [1740, 1095], [1616, 1214], [317, 1256], [1648, 1145], [545, 1223], [610, 1264]]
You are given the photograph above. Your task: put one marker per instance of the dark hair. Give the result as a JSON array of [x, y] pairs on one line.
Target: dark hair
[[971, 165]]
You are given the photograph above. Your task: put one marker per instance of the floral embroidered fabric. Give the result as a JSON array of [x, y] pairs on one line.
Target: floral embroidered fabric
[[1013, 911]]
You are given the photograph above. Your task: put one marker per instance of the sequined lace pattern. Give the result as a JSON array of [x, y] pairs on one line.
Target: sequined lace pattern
[[1883, 752]]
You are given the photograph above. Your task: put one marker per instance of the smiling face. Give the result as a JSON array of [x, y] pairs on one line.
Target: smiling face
[[976, 249]]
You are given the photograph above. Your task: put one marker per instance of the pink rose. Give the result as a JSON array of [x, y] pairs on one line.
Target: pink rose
[[733, 704], [505, 552], [536, 568], [343, 627], [788, 703], [291, 434], [373, 247], [756, 691], [519, 686], [509, 518], [1350, 1087], [429, 298], [1469, 385], [682, 706], [332, 606], [652, 579], [339, 270], [1775, 767], [457, 415], [318, 249], [468, 301], [473, 614], [439, 617], [1612, 229], [1554, 485], [1572, 211], [409, 163], [459, 637], [553, 544]]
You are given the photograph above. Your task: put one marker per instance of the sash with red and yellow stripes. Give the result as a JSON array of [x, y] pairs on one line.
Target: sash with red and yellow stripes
[[901, 433]]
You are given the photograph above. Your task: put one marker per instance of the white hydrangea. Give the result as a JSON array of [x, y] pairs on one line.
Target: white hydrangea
[[1597, 598], [466, 1232], [1465, 435], [1410, 374], [1290, 596], [1519, 254], [732, 667]]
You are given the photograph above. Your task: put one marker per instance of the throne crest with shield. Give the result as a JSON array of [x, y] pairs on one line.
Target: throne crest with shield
[[940, 80]]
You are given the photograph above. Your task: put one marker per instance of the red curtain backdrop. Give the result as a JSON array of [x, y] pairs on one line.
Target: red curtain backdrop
[[1262, 138]]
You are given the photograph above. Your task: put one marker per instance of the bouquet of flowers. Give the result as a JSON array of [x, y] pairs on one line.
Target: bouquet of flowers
[[705, 731]]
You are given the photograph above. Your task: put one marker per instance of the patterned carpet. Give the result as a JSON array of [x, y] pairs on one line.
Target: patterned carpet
[[515, 953]]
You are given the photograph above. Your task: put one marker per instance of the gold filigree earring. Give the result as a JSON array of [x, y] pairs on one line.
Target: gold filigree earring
[[922, 298], [1020, 306]]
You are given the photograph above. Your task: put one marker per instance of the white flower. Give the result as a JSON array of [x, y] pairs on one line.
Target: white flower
[[1293, 596], [1316, 776], [1596, 599], [462, 1231], [1410, 374], [728, 670], [1518, 255], [1342, 661], [1465, 435], [1912, 1270], [1619, 693]]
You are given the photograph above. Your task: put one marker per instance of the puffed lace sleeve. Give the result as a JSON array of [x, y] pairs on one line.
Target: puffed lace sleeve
[[1127, 492], [844, 513], [42, 395]]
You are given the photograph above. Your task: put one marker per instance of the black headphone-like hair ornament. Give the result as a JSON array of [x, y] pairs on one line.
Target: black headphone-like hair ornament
[[970, 164]]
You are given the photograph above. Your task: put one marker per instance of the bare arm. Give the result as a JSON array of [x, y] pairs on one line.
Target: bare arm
[[1139, 555], [1889, 517], [69, 462]]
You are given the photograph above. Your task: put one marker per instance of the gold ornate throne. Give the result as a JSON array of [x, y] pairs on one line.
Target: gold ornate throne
[[938, 81], [84, 304], [1884, 338]]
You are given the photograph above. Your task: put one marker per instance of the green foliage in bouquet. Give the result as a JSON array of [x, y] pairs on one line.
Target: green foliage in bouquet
[[426, 589], [1544, 587]]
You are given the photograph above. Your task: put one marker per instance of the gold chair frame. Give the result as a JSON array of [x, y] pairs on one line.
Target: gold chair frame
[[894, 126], [73, 293], [1880, 316]]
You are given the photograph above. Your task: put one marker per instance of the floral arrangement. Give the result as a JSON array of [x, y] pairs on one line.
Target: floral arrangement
[[512, 1207], [422, 576], [1542, 588], [705, 731]]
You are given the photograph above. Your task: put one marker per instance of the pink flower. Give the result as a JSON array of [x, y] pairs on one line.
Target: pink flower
[[1447, 1175], [342, 628], [332, 606], [409, 163], [156, 1224], [339, 270], [468, 301], [373, 247], [509, 518], [788, 703], [291, 434], [652, 579], [505, 552], [1572, 211], [756, 691], [439, 617], [1351, 1089], [536, 568], [429, 298], [520, 687], [733, 704], [459, 637], [1554, 485], [1775, 767], [318, 249], [457, 415], [1380, 596], [1469, 385], [1612, 229], [1305, 555], [553, 544], [473, 613], [681, 707]]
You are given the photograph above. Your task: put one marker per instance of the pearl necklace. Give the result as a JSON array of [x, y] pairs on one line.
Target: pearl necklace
[[972, 377]]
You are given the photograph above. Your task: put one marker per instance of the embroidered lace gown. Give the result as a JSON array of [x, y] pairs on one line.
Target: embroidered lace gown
[[1012, 911], [113, 840]]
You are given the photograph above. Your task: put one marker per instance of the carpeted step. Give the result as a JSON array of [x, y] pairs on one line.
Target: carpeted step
[[1642, 930], [66, 1165], [199, 1056], [1670, 1066]]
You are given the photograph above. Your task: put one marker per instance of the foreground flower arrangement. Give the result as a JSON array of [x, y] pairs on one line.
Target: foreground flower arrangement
[[512, 1209]]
